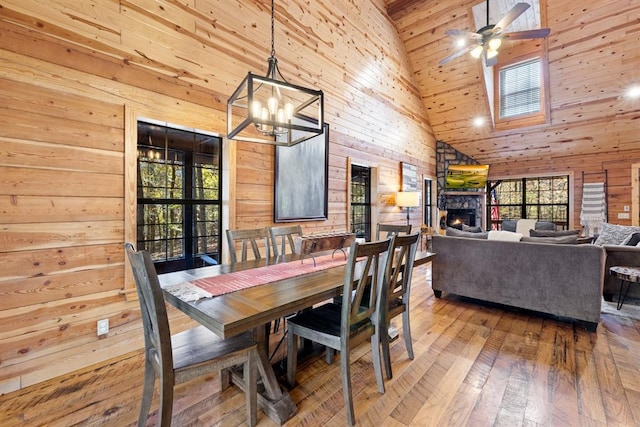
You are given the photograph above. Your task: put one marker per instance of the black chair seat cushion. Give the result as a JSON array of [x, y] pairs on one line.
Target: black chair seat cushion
[[326, 319]]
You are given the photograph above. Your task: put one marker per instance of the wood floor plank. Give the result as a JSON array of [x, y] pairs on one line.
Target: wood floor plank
[[475, 365]]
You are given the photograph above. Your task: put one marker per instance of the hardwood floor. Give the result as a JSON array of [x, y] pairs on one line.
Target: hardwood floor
[[475, 365]]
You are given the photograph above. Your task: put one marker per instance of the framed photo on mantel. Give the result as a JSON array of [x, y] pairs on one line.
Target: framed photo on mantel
[[302, 180]]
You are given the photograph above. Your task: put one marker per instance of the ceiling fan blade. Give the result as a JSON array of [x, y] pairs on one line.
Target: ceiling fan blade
[[490, 62], [511, 16], [457, 54], [540, 33], [463, 33]]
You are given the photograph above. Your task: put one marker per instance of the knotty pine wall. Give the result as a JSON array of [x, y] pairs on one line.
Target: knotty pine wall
[[72, 72], [594, 56]]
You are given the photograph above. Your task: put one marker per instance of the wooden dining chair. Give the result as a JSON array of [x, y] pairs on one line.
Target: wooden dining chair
[[398, 292], [247, 238], [391, 230], [283, 237], [343, 326], [181, 357]]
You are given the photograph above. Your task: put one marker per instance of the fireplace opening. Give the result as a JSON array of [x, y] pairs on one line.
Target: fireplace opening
[[457, 217]]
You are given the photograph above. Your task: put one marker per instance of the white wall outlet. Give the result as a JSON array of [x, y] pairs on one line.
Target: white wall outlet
[[626, 208], [103, 326], [623, 215]]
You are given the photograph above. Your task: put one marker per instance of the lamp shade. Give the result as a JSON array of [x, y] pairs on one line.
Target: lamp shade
[[408, 199]]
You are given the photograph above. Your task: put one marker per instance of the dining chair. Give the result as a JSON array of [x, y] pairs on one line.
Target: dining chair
[[391, 230], [184, 356], [398, 292], [346, 325], [249, 237], [282, 235]]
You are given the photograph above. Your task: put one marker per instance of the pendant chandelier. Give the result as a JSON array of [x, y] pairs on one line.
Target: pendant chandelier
[[271, 110]]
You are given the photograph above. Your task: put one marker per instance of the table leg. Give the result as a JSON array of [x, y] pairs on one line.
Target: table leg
[[275, 402]]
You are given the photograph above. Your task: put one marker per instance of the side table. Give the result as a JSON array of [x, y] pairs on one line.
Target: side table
[[625, 274]]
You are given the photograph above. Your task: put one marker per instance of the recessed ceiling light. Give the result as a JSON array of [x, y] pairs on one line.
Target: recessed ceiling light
[[478, 121], [633, 91]]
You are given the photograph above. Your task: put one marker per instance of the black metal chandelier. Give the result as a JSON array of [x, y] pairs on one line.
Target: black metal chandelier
[[271, 110]]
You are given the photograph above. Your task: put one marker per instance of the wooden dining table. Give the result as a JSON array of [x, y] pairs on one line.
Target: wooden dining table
[[254, 308]]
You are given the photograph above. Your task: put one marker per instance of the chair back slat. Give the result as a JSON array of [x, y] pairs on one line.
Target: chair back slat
[[401, 271], [281, 236], [391, 230], [367, 267], [247, 238], [157, 335]]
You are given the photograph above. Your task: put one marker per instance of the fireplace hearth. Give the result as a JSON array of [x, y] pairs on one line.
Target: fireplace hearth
[[457, 217]]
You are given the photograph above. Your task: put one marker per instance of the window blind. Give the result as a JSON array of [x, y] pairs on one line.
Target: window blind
[[520, 89]]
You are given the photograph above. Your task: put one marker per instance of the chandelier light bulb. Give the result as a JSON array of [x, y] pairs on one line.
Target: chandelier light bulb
[[273, 105], [256, 109], [288, 111]]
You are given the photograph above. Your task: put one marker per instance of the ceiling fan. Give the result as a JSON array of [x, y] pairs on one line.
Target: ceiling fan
[[486, 41]]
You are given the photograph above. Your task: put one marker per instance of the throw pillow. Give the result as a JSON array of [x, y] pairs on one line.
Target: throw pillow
[[524, 225], [459, 233], [505, 236], [508, 225], [559, 240], [553, 233], [471, 229], [634, 240], [545, 225], [613, 234]]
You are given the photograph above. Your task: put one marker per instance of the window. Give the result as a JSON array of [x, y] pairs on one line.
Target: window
[[178, 196], [361, 201], [520, 88], [544, 199], [428, 203]]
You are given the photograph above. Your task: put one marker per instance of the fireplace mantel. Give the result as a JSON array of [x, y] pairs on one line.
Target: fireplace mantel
[[464, 193]]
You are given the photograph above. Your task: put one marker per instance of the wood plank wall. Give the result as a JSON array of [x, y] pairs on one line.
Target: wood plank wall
[[594, 56], [70, 71]]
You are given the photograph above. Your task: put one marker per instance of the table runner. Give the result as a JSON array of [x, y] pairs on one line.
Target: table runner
[[230, 282]]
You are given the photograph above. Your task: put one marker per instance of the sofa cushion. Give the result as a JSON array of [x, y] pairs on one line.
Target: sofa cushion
[[634, 240], [459, 233], [505, 236], [471, 229], [613, 234], [571, 239], [553, 233]]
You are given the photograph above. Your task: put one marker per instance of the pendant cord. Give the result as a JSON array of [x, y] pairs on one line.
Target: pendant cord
[[273, 45]]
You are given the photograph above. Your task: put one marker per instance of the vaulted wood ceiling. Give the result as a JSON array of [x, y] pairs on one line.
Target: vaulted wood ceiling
[[593, 57]]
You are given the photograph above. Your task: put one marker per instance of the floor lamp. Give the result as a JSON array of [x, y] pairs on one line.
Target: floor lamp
[[408, 199]]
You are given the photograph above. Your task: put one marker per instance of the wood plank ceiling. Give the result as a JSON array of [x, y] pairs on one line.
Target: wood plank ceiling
[[593, 57]]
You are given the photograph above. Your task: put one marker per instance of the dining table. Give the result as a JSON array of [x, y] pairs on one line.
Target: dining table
[[254, 307]]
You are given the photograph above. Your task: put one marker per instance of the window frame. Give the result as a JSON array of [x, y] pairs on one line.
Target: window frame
[[366, 204], [528, 119], [522, 203], [191, 256]]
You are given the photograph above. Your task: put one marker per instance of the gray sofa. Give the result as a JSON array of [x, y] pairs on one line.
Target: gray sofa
[[561, 280]]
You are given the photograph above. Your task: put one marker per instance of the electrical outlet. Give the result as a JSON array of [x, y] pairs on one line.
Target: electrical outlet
[[103, 326], [623, 215]]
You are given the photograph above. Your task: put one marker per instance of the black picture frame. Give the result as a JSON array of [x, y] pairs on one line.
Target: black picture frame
[[302, 180]]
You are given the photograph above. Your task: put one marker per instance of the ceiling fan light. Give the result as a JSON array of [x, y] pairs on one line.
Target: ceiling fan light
[[491, 53], [495, 43], [476, 51]]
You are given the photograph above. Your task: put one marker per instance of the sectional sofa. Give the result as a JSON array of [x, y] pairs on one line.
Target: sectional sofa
[[564, 280]]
